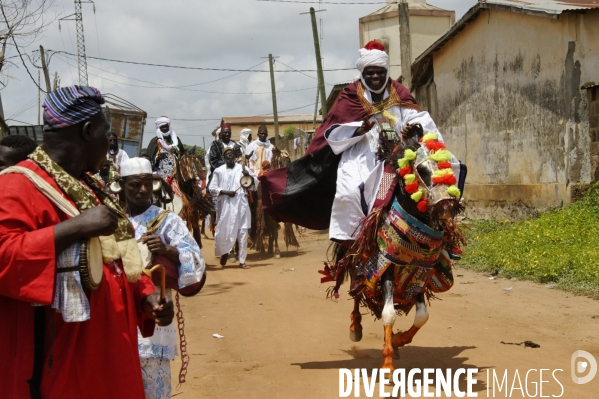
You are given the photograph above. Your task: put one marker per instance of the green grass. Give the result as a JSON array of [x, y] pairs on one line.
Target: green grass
[[560, 247]]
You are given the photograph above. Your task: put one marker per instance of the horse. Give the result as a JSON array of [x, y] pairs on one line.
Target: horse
[[400, 259], [190, 202]]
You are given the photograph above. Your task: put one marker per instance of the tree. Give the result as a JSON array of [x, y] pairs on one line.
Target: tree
[[288, 133], [21, 23]]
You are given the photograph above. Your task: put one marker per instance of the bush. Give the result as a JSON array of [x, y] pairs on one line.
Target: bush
[[288, 133], [559, 247]]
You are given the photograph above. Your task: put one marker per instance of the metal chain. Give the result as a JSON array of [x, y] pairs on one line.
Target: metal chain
[[182, 342]]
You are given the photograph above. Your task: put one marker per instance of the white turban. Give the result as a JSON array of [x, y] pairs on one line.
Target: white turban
[[164, 120], [135, 166], [376, 58]]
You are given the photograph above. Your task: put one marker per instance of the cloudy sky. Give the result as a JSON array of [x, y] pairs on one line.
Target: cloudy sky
[[223, 34]]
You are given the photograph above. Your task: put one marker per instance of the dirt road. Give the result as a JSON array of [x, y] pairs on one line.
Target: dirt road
[[284, 339]]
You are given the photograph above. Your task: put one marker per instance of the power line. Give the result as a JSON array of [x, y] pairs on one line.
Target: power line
[[199, 68], [160, 86]]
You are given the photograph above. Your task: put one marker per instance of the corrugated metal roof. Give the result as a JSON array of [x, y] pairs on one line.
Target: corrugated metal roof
[[548, 6]]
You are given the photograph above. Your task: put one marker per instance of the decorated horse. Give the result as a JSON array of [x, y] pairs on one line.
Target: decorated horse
[[399, 259], [182, 171]]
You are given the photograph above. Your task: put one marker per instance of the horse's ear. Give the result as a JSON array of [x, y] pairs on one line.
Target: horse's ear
[[415, 130]]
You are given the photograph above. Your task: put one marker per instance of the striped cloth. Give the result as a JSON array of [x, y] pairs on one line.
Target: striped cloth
[[67, 106]]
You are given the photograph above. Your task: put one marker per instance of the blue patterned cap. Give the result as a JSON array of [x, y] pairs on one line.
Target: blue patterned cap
[[67, 106]]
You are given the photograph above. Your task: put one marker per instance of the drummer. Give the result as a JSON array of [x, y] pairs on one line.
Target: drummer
[[177, 249], [233, 218], [77, 341]]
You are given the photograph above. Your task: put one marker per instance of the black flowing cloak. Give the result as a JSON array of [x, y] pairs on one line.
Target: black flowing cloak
[[303, 192]]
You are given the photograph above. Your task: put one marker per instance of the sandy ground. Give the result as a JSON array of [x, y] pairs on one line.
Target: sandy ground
[[284, 339]]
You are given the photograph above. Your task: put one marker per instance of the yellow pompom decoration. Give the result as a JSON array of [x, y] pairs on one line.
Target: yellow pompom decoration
[[391, 118], [441, 156], [454, 192], [409, 155], [429, 136], [409, 178], [403, 162], [442, 172], [417, 196]]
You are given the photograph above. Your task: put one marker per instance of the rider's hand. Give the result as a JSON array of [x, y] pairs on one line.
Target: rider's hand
[[365, 128]]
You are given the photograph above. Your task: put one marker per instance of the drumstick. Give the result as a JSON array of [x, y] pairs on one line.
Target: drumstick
[[149, 272]]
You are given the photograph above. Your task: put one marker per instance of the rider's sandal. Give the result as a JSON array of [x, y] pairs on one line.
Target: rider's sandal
[[244, 266]]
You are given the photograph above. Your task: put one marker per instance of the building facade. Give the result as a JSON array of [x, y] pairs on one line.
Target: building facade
[[512, 87], [427, 24]]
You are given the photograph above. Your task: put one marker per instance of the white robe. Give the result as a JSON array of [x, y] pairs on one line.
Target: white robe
[[359, 165], [233, 213], [261, 151]]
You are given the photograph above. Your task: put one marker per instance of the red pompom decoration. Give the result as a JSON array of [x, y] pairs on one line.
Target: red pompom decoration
[[435, 145], [374, 45], [405, 171], [444, 165], [412, 187], [422, 206], [448, 180]]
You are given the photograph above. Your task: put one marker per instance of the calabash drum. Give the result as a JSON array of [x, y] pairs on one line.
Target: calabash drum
[[246, 181], [91, 263]]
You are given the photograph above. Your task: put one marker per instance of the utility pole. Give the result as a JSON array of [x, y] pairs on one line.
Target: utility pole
[[323, 95], [274, 99], [204, 142], [55, 81], [405, 46], [39, 96], [81, 58], [45, 68], [315, 110]]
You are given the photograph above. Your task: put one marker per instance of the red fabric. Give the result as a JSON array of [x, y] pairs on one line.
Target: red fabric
[[443, 165], [225, 125], [374, 45], [93, 359], [348, 109]]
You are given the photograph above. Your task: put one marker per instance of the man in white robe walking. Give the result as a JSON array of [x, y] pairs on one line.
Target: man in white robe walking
[[259, 150], [233, 217]]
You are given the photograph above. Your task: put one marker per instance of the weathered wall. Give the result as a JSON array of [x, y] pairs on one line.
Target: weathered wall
[[236, 129], [424, 30], [510, 107]]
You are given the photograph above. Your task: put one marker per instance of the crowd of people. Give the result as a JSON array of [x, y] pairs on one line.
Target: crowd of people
[[81, 223]]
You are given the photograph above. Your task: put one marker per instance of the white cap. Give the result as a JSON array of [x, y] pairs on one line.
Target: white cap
[[136, 166]]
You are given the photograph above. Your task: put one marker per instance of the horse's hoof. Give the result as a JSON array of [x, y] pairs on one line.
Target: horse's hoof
[[355, 336], [396, 353]]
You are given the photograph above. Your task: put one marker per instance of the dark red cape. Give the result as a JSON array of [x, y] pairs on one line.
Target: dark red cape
[[303, 192]]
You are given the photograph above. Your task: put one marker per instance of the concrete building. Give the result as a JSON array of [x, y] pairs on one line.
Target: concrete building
[[513, 88], [427, 24], [303, 122]]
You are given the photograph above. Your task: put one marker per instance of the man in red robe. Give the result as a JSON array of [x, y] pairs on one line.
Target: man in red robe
[[44, 356]]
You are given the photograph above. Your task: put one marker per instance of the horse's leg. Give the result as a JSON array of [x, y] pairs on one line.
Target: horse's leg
[[402, 338], [388, 317], [355, 328], [276, 242]]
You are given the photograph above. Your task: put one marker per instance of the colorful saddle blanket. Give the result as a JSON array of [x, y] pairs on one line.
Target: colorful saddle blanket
[[416, 251]]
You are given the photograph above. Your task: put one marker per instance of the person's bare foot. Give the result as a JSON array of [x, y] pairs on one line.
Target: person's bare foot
[[223, 259]]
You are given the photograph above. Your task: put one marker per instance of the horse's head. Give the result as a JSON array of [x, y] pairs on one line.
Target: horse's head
[[427, 178]]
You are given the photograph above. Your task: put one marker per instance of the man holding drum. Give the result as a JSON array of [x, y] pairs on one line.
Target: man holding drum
[[165, 240], [72, 292], [233, 218]]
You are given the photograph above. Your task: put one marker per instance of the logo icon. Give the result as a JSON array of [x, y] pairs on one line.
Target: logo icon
[[578, 366]]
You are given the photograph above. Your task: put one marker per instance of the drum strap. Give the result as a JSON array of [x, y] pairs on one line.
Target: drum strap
[[39, 336]]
